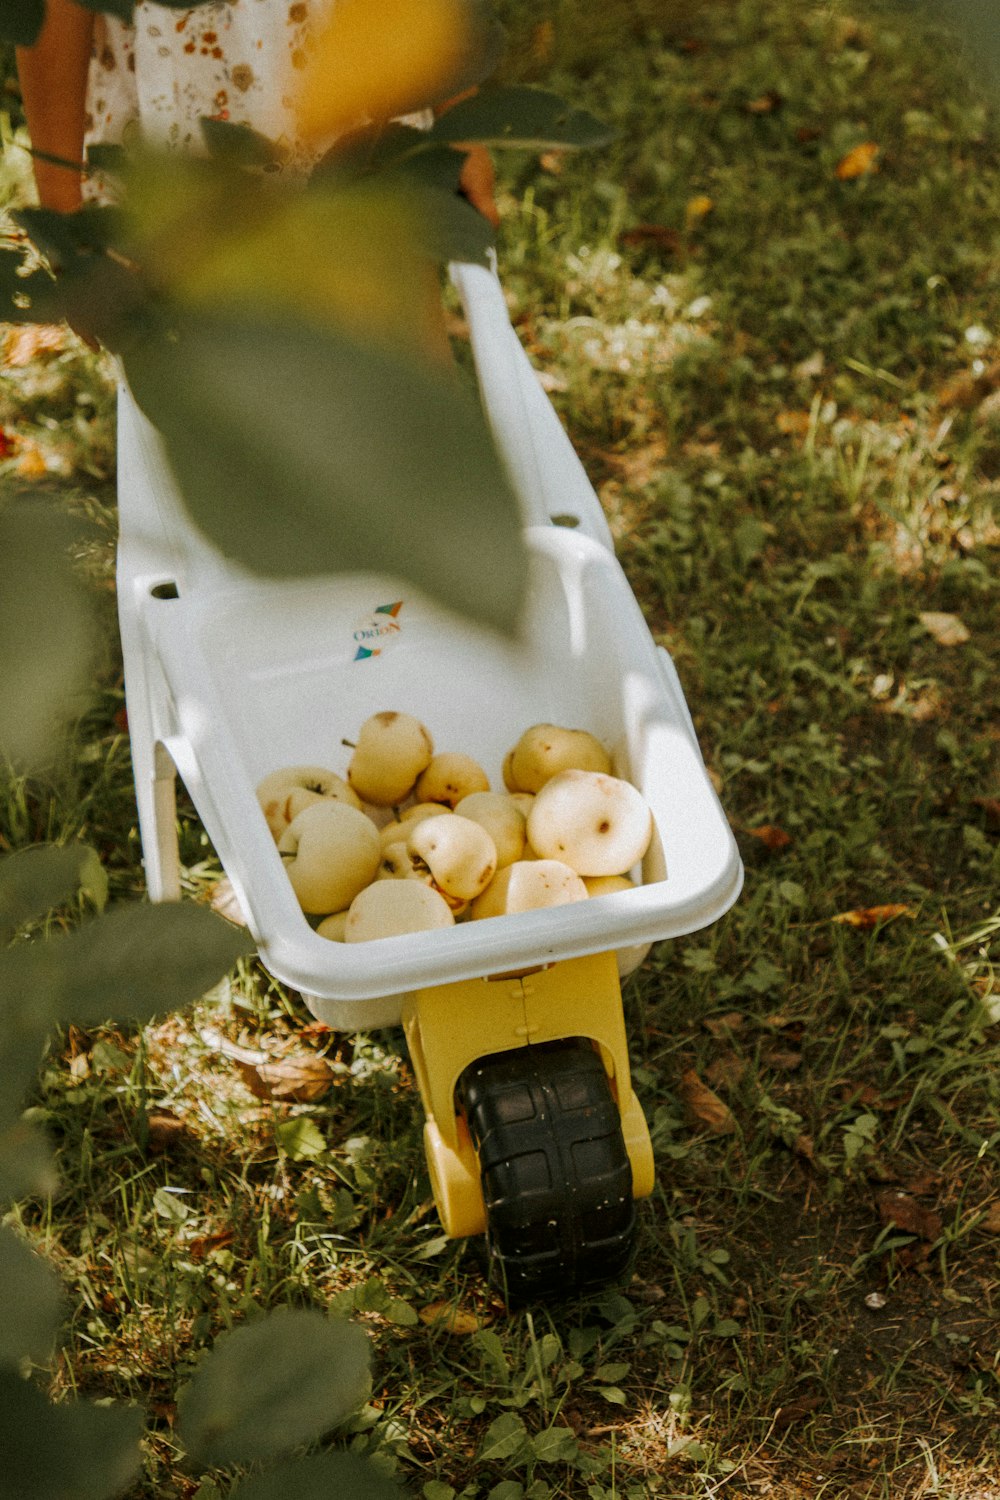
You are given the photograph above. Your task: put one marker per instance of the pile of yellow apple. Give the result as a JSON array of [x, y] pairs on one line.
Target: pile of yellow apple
[[565, 829]]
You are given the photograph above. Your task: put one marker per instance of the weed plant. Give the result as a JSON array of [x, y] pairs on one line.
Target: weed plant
[[783, 378]]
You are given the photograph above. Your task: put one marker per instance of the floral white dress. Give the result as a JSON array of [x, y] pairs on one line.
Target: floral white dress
[[232, 60]]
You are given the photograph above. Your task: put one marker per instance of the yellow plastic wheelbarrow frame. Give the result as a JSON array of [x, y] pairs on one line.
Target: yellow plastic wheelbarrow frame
[[450, 1026]]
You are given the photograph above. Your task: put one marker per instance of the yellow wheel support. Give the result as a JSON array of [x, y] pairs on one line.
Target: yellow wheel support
[[448, 1027]]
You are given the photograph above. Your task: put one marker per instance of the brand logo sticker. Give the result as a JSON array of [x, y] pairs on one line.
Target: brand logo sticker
[[378, 631]]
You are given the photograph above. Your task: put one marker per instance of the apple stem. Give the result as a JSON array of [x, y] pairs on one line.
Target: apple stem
[[350, 744]]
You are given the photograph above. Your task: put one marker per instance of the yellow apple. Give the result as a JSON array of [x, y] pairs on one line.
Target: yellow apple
[[597, 824], [546, 749], [449, 777], [330, 852], [390, 908], [391, 751], [503, 820], [459, 854], [284, 793], [528, 884]]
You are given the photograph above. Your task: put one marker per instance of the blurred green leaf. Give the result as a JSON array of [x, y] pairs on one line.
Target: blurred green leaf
[[134, 963], [283, 1379], [21, 21], [298, 451], [977, 24], [23, 298], [46, 631], [75, 1450], [530, 118], [33, 881], [71, 241], [328, 1476], [238, 145], [31, 1301], [123, 9], [26, 1165]]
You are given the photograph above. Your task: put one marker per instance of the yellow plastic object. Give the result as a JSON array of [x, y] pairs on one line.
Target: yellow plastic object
[[449, 1026], [454, 1173]]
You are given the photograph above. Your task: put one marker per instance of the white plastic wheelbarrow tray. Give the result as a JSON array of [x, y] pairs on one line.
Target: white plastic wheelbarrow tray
[[229, 677]]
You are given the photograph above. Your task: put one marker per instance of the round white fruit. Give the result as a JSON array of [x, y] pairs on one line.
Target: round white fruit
[[451, 776], [333, 927], [546, 749], [627, 959], [400, 827], [390, 908], [396, 863], [596, 824], [604, 885], [507, 772], [526, 885], [330, 852], [391, 751], [459, 854], [502, 819], [284, 793]]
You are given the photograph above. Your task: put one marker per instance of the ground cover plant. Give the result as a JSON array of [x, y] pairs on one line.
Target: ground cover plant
[[768, 314]]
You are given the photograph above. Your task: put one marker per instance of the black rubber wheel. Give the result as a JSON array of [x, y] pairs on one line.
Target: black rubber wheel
[[555, 1172]]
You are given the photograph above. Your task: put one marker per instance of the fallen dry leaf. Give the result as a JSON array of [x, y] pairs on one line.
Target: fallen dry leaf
[[947, 630], [782, 1060], [968, 388], [696, 209], [909, 1216], [660, 235], [726, 1071], [796, 1411], [858, 162], [29, 341], [31, 464], [543, 40], [793, 423], [764, 104], [991, 807], [293, 1080], [873, 916], [725, 1025], [704, 1106], [810, 368], [164, 1130], [452, 1319], [206, 1243], [223, 900], [770, 836], [919, 706], [990, 1221], [803, 1145]]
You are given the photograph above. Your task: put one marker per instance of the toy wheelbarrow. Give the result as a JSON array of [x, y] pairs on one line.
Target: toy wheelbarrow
[[515, 1027]]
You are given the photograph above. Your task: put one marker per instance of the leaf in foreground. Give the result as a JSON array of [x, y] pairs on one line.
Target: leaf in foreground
[[328, 1476], [279, 1381], [33, 881], [75, 1450], [26, 1164], [46, 632], [21, 21], [297, 451], [30, 1302], [526, 117], [132, 964]]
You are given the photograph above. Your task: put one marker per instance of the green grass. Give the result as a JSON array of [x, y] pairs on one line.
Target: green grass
[[787, 406]]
